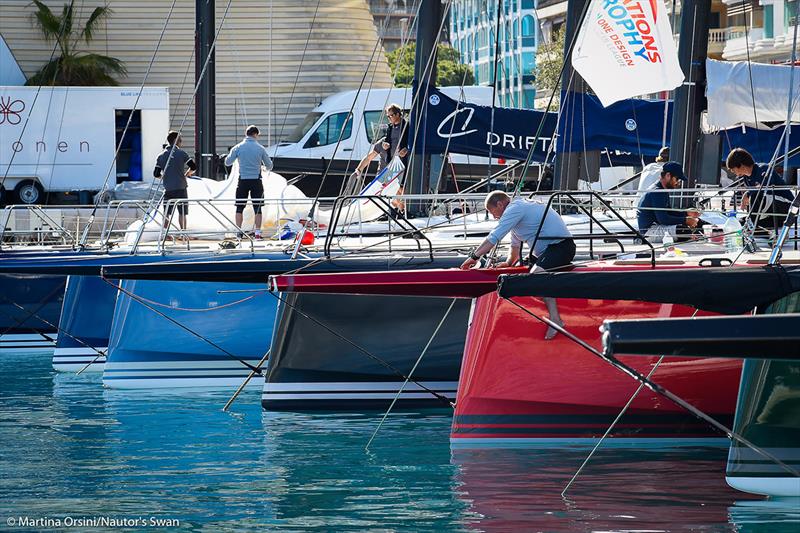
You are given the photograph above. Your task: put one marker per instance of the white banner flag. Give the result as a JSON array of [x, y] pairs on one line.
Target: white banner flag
[[625, 48]]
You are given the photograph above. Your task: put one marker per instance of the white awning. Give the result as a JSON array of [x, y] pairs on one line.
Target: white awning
[[730, 100]]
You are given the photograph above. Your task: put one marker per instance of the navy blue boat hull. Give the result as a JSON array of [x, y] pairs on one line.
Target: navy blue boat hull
[[30, 308]]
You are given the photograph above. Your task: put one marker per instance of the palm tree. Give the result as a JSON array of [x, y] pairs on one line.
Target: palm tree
[[73, 66]]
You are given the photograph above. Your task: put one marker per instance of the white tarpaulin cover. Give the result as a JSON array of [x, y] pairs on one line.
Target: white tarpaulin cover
[[625, 48], [282, 203], [730, 101]]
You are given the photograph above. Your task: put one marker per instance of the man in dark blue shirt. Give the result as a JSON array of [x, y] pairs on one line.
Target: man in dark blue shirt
[[769, 206], [655, 214]]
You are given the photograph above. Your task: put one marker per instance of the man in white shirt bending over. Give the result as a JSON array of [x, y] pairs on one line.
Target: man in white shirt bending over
[[553, 250]]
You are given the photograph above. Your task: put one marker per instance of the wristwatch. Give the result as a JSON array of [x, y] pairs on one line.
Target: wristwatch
[[474, 256]]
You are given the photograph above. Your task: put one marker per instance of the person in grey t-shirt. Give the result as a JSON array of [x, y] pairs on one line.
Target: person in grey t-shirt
[[171, 166], [553, 250], [251, 156]]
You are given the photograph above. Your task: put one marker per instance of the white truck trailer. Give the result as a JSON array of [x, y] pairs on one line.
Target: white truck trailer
[[63, 139]]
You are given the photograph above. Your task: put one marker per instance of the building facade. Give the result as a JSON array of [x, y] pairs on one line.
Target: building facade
[[474, 26], [760, 29], [275, 59]]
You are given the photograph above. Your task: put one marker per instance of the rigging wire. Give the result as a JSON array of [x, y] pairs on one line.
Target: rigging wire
[[611, 427], [100, 353], [498, 8], [411, 373], [567, 56], [90, 222], [33, 104], [655, 387], [297, 76], [151, 199], [363, 350], [189, 330]]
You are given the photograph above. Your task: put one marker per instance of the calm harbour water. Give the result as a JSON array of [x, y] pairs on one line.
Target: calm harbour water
[[69, 448]]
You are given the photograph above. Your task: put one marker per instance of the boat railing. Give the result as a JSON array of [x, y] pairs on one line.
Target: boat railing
[[347, 207], [587, 202], [217, 224], [40, 227]]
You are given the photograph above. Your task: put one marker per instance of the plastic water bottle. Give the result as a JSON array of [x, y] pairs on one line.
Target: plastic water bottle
[[668, 245], [733, 234]]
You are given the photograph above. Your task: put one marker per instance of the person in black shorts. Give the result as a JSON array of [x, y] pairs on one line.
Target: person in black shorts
[[171, 167], [252, 157]]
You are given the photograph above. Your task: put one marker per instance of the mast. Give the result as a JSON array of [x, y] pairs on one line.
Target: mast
[[428, 21], [690, 101], [569, 165], [205, 103]]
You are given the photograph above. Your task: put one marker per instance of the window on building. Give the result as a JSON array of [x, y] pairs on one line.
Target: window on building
[[528, 4], [528, 62], [528, 31], [769, 25], [790, 13], [329, 130]]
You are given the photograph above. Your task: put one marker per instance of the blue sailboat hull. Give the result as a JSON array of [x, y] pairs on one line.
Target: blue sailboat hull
[[85, 325], [187, 334]]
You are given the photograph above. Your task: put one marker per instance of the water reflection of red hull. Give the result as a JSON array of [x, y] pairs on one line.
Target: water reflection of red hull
[[516, 388]]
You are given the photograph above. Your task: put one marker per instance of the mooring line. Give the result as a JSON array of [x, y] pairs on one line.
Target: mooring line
[[245, 382], [185, 328], [366, 352], [658, 389], [58, 329], [614, 423], [40, 305], [411, 373], [610, 428]]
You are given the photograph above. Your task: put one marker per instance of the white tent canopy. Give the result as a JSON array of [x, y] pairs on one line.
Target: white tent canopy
[[730, 100]]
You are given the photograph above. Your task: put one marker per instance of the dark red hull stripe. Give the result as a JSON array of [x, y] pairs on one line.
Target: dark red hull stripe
[[568, 419]]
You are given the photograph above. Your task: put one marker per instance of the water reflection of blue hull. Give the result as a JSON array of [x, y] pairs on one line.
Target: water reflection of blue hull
[[147, 350], [30, 306]]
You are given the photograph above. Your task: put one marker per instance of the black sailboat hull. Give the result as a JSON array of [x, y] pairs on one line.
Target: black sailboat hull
[[325, 356]]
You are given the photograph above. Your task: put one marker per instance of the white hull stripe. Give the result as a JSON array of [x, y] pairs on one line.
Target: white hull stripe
[[173, 383], [77, 360], [177, 373], [83, 350], [768, 486], [188, 364], [29, 337], [372, 386], [355, 396], [72, 367], [27, 342]]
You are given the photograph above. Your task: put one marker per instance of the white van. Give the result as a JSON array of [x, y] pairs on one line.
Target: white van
[[317, 135], [63, 139]]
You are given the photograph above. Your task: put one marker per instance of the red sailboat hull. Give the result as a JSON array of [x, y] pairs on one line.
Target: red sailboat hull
[[517, 389]]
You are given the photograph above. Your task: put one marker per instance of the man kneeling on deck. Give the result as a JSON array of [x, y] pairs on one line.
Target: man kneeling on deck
[[553, 250], [655, 214]]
